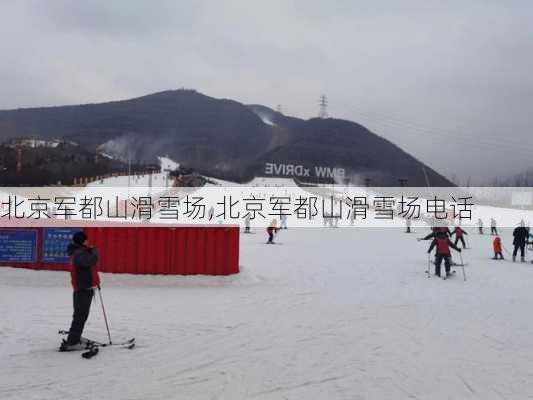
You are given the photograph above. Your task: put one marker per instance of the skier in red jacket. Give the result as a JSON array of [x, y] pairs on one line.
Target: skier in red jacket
[[84, 277], [271, 230], [497, 247], [443, 244], [459, 236]]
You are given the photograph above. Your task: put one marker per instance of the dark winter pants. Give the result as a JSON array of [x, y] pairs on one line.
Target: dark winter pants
[[520, 246], [82, 305], [271, 237], [493, 230], [499, 253], [462, 239], [438, 262]]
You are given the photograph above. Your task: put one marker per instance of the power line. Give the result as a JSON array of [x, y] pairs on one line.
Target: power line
[[413, 128], [421, 127]]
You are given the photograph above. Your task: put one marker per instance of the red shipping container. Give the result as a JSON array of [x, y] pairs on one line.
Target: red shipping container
[[157, 249]]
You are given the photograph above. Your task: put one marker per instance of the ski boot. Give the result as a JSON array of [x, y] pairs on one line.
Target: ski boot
[[65, 346], [83, 344], [514, 258], [522, 259]]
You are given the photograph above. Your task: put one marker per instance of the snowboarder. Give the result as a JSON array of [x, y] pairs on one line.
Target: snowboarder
[[408, 225], [497, 246], [443, 244], [84, 278], [247, 224], [480, 226], [459, 236], [493, 230], [271, 230], [520, 235]]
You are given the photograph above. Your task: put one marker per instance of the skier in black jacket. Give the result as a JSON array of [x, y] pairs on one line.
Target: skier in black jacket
[[520, 235], [84, 278], [443, 244]]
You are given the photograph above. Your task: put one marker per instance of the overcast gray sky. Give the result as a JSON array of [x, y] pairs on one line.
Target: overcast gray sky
[[450, 82]]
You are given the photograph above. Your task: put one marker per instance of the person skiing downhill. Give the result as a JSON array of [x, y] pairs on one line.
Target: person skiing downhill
[[497, 247], [459, 236], [247, 224], [480, 226], [84, 278], [493, 230], [271, 230], [283, 221], [443, 244], [520, 235]]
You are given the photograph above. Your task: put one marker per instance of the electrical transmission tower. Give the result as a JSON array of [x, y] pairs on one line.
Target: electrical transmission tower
[[323, 103]]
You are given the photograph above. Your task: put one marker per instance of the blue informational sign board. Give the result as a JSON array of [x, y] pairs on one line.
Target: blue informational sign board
[[18, 245], [55, 243]]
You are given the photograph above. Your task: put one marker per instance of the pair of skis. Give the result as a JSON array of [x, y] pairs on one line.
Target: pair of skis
[[93, 346], [446, 276]]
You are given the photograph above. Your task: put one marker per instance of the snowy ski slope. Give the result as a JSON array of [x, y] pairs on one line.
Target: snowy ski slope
[[328, 314]]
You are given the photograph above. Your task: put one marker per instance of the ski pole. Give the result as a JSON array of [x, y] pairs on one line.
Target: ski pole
[[504, 249], [429, 266], [105, 316], [463, 265]]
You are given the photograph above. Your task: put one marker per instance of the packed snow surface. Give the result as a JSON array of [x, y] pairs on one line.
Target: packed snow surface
[[327, 314]]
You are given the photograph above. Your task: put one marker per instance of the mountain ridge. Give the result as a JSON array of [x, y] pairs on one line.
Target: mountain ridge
[[220, 137]]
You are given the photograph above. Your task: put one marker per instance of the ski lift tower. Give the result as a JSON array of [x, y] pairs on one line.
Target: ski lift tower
[[323, 103], [403, 183]]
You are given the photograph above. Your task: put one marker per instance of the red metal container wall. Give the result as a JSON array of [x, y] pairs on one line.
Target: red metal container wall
[[159, 250]]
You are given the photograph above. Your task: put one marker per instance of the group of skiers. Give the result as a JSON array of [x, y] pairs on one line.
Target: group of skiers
[[493, 228], [441, 241], [521, 236], [85, 279]]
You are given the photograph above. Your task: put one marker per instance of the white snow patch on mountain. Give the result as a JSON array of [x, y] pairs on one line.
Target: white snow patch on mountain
[[167, 164], [267, 121]]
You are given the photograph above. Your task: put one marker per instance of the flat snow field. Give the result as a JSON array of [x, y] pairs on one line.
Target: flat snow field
[[328, 314]]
